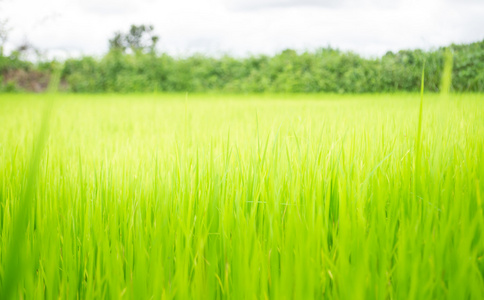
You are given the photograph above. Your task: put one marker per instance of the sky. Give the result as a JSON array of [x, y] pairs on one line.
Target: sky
[[67, 28]]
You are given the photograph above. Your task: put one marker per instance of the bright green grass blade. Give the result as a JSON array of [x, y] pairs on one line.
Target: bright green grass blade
[[14, 271]]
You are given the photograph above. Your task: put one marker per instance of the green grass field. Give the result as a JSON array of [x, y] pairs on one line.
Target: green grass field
[[244, 197]]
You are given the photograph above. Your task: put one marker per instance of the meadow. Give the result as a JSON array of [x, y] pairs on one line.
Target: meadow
[[242, 196]]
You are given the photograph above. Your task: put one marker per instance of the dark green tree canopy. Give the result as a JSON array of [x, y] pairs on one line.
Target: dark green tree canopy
[[139, 38]]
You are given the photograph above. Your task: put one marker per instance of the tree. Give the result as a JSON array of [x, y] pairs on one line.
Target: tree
[[138, 38], [117, 42]]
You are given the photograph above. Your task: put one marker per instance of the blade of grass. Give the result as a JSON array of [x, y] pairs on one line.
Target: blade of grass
[[13, 271], [418, 142]]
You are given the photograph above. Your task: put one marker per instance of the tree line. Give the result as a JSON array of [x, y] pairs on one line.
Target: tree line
[[133, 65]]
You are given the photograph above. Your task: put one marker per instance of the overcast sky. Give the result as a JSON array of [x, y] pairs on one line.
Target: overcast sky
[[242, 27]]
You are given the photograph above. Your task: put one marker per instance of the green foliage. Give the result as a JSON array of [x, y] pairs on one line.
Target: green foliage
[[468, 67], [14, 62], [9, 87], [55, 77], [138, 38], [325, 70], [242, 197], [83, 75], [446, 81]]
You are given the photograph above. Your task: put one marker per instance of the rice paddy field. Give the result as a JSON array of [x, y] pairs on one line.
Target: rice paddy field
[[242, 197]]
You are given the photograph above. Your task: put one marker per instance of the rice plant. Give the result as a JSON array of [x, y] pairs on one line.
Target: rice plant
[[242, 197]]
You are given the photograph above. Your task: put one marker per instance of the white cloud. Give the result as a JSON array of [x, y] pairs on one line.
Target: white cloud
[[218, 26], [108, 7], [271, 4]]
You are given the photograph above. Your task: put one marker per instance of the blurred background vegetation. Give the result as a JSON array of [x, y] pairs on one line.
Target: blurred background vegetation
[[133, 65]]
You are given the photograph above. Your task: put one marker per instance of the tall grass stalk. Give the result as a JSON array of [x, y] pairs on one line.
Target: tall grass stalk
[[418, 141]]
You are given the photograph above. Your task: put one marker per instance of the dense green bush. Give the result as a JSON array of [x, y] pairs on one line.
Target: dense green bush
[[13, 62], [324, 70]]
